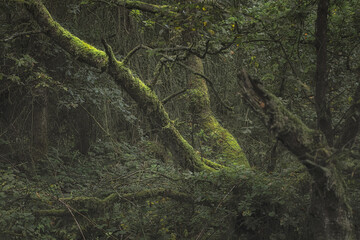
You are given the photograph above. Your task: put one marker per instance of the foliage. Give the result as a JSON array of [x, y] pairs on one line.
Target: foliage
[[261, 203]]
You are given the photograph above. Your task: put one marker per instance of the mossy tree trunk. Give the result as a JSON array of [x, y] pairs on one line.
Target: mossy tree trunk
[[220, 140]]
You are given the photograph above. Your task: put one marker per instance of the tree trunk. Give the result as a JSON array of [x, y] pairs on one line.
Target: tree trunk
[[83, 125], [329, 213], [321, 76], [221, 141], [39, 124]]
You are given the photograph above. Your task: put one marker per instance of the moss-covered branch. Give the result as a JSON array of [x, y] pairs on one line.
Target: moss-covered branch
[[305, 143], [143, 6], [146, 99], [94, 204], [75, 46]]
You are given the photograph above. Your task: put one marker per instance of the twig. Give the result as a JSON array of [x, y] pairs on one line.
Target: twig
[[217, 207], [209, 82], [131, 53], [160, 50], [72, 214], [15, 35], [165, 100]]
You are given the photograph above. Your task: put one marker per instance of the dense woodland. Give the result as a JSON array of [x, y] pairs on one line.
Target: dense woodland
[[179, 119]]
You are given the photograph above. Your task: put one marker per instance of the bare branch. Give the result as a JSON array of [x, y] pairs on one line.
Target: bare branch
[[16, 35], [131, 53], [143, 6], [165, 100], [73, 216], [172, 59]]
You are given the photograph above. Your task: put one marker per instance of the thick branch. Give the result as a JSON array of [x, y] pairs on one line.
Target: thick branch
[[329, 211], [165, 100], [305, 143], [146, 99], [75, 46]]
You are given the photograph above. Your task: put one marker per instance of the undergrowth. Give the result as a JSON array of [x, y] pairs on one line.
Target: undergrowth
[[36, 202]]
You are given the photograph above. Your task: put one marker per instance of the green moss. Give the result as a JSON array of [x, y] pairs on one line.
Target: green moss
[[224, 142], [225, 147], [80, 49]]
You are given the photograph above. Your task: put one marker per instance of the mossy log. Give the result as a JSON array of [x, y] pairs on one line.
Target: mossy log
[[94, 205]]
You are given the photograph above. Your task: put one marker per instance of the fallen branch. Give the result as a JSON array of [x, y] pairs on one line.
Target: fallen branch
[[93, 204]]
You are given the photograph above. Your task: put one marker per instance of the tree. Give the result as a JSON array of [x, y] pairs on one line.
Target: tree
[[330, 214]]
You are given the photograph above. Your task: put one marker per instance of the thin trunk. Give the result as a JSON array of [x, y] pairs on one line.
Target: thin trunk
[[83, 123], [39, 124], [321, 76]]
